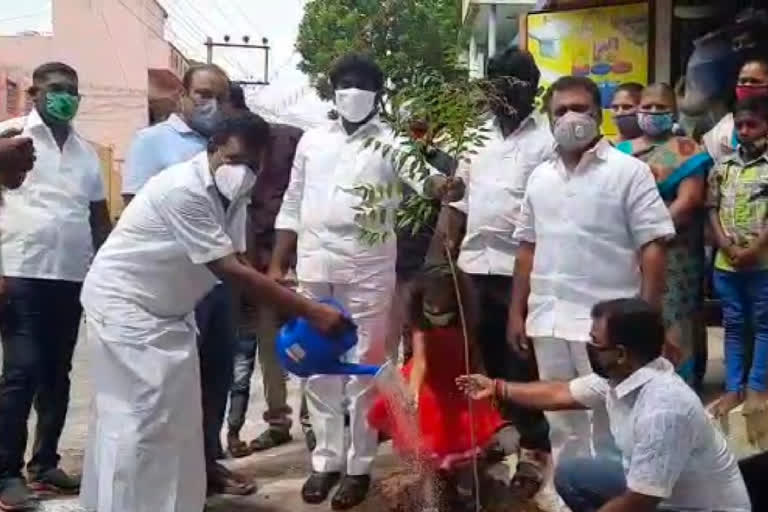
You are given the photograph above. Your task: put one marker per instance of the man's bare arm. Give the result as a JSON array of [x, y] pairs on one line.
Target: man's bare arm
[[101, 224], [541, 395], [653, 260], [449, 230], [259, 288], [285, 247]]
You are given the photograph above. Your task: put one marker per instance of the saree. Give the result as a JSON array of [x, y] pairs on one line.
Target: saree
[[672, 162]]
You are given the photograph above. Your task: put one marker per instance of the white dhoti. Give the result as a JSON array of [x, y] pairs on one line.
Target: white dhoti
[[145, 448], [572, 433], [330, 396]]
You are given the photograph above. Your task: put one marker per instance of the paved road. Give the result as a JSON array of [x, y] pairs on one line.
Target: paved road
[[280, 472]]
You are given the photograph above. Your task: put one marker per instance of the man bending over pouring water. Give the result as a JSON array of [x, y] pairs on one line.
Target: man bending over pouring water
[[182, 231]]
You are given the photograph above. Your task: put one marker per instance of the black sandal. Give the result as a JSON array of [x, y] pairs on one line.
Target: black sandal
[[351, 492], [270, 438], [318, 486]]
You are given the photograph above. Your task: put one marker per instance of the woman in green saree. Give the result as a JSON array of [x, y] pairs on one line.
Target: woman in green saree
[[680, 167]]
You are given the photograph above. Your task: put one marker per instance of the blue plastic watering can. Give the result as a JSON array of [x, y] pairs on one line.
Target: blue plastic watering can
[[303, 351]]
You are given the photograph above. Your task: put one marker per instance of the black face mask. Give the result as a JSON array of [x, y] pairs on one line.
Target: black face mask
[[594, 360]]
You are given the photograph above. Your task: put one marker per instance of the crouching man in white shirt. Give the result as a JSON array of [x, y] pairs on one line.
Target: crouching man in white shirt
[[318, 214], [184, 229], [673, 456]]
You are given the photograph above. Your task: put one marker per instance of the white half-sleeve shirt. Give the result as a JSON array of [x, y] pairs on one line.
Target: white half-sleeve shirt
[[321, 200], [496, 179], [588, 225], [156, 256], [670, 447], [46, 230]]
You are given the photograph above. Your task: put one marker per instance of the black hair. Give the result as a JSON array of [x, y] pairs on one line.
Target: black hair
[[190, 73], [42, 71], [568, 83], [755, 57], [634, 89], [663, 88], [237, 96], [439, 275], [633, 323], [756, 104], [357, 63], [515, 63], [249, 127]]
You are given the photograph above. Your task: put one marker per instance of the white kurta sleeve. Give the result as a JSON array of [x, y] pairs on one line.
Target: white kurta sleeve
[[664, 441], [239, 225], [647, 214], [289, 216], [525, 229], [192, 220], [96, 188]]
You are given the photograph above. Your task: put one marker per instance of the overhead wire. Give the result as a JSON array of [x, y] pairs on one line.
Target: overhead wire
[[192, 25]]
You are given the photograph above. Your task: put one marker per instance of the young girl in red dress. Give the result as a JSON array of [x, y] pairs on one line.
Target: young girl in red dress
[[444, 437]]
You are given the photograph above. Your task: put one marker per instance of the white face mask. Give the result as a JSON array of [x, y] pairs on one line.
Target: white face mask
[[234, 181], [355, 105]]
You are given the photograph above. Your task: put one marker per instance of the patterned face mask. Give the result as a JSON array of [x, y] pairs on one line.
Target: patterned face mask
[[656, 124]]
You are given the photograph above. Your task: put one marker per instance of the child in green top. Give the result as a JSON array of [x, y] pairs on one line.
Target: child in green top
[[739, 217]]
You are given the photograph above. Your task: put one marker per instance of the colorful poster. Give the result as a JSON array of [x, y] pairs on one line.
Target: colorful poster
[[607, 44]]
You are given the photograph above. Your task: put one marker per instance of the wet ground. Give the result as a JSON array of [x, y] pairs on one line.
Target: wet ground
[[279, 473]]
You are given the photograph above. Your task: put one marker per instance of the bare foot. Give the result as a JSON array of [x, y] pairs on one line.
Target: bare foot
[[757, 401], [725, 404], [754, 410]]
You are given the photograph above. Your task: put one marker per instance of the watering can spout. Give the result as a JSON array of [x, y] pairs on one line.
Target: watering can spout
[[355, 369]]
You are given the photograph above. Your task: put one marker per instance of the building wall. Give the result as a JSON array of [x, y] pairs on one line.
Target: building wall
[[112, 44]]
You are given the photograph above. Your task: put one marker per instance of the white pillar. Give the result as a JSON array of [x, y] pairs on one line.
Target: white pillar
[[473, 67], [491, 30]]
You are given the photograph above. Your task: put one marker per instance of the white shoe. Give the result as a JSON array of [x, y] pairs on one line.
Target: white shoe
[[547, 499]]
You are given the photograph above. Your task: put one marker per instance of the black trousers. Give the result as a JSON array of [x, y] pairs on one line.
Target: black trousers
[[39, 327], [493, 294], [216, 342]]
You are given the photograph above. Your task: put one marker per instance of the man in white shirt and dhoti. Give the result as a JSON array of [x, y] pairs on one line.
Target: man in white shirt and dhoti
[[184, 229]]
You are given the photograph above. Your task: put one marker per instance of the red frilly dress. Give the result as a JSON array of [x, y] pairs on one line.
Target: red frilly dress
[[444, 436]]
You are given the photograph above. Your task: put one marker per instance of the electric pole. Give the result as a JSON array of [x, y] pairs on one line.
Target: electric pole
[[264, 46]]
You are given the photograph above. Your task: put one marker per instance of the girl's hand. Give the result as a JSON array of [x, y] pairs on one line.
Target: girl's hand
[[477, 387]]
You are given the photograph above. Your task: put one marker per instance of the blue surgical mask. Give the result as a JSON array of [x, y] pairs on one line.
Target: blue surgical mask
[[656, 124], [205, 117]]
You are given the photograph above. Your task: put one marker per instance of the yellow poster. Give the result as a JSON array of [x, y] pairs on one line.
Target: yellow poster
[[607, 44]]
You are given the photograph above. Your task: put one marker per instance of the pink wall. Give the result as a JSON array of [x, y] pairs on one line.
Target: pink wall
[[112, 44]]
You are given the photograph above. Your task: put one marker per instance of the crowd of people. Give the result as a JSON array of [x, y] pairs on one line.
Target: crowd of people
[[579, 299]]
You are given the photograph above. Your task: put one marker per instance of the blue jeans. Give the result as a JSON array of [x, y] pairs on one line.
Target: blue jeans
[[39, 329], [587, 484], [744, 295]]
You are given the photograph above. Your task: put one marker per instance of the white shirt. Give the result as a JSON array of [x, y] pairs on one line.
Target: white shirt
[[719, 140], [46, 230], [156, 256], [671, 448], [319, 204], [588, 225], [496, 179]]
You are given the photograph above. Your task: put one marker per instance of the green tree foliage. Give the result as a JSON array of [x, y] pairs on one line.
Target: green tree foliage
[[406, 37]]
